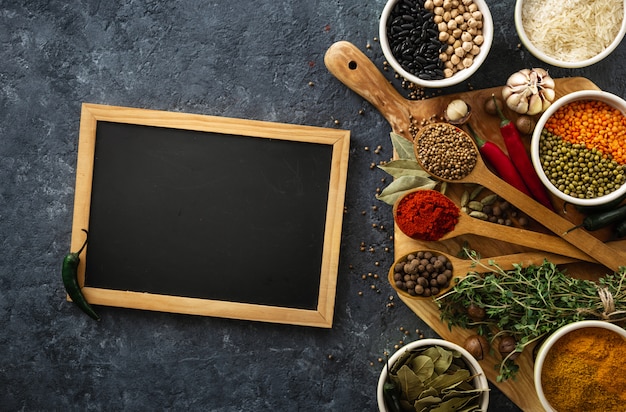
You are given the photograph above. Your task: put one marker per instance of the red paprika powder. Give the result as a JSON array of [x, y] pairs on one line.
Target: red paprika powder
[[426, 215]]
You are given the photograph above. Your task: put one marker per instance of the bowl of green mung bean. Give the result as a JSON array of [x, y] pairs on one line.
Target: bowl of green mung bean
[[578, 148]]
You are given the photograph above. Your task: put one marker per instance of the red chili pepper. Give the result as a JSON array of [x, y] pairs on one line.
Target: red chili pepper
[[500, 162], [521, 160]]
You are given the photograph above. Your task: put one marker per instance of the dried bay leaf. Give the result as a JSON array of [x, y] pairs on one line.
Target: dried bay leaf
[[410, 385], [453, 405], [423, 367], [444, 381], [402, 185], [403, 147], [404, 167], [426, 403]]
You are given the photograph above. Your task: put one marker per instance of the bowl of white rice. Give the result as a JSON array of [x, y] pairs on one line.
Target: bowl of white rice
[[570, 33]]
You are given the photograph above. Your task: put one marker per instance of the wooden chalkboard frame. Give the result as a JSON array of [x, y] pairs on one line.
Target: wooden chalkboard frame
[[338, 139]]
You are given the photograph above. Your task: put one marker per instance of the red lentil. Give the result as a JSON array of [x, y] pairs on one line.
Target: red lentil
[[593, 123]]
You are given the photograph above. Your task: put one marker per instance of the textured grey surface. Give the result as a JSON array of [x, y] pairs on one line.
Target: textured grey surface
[[228, 58]]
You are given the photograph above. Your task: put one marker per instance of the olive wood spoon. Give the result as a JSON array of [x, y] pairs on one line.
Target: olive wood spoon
[[461, 267], [522, 237], [517, 236], [480, 174]]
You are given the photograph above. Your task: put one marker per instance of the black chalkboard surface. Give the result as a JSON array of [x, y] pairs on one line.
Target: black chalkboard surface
[[208, 215]]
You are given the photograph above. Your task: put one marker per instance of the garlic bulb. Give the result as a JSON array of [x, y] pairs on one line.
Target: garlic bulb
[[529, 91]]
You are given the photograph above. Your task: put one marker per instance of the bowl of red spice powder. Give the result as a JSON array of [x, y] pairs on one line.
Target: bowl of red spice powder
[[580, 367], [425, 214], [578, 148]]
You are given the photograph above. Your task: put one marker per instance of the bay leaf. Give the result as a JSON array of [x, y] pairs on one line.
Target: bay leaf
[[410, 385], [450, 393], [402, 185], [426, 403], [445, 360], [452, 405], [403, 147], [423, 367], [446, 381], [404, 167], [429, 392]]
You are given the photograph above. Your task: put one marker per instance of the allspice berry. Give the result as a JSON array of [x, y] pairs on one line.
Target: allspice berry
[[506, 346], [477, 346]]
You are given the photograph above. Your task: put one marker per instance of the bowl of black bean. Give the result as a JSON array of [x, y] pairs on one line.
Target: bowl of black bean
[[578, 148], [436, 43]]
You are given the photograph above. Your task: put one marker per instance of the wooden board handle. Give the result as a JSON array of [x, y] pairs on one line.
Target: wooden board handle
[[354, 69]]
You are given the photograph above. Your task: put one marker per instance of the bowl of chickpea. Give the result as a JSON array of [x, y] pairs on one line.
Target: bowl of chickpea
[[436, 43]]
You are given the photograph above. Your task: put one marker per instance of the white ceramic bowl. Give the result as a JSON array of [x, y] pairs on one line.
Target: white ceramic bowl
[[551, 340], [552, 60], [458, 77], [605, 97], [480, 381]]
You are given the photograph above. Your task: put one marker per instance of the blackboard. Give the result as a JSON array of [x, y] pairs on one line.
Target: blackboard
[[209, 215]]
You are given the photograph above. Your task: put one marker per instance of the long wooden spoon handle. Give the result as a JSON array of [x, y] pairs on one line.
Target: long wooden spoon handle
[[522, 237], [604, 254], [507, 262], [354, 69]]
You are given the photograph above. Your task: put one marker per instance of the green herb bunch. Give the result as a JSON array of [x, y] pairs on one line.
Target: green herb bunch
[[529, 303]]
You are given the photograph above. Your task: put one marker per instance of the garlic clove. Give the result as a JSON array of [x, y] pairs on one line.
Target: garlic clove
[[546, 104], [535, 105], [518, 79], [548, 94], [518, 103]]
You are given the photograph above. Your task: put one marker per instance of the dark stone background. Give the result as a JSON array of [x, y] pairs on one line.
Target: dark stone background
[[246, 59]]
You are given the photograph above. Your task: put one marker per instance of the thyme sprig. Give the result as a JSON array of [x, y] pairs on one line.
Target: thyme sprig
[[530, 302]]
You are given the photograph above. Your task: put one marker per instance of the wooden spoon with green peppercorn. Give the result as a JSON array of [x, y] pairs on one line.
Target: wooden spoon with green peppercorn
[[449, 154], [519, 236]]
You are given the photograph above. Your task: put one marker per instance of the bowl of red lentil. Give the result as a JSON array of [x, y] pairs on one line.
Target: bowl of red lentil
[[435, 43], [572, 33], [578, 148], [580, 367]]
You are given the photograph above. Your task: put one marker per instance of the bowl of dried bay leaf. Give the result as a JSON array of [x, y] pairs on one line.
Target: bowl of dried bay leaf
[[431, 374]]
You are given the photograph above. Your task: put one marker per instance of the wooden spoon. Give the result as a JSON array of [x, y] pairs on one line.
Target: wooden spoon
[[461, 267], [522, 237], [481, 174], [470, 225]]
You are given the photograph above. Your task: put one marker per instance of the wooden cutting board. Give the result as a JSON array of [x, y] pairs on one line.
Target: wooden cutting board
[[357, 72]]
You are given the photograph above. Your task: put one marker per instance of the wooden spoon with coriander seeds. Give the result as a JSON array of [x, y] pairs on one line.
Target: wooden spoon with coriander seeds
[[461, 267], [449, 154]]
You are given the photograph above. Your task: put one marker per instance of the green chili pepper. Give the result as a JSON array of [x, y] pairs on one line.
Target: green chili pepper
[[70, 281]]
